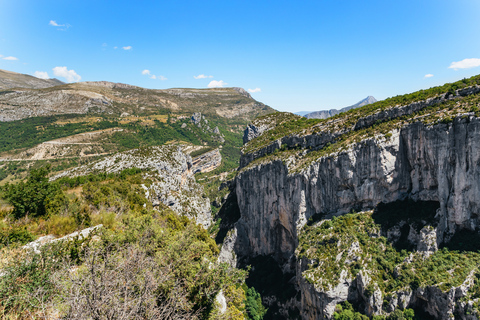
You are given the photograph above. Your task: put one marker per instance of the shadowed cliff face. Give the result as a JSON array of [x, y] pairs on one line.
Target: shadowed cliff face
[[438, 163]]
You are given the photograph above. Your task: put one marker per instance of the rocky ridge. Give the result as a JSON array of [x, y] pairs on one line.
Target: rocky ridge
[[54, 98], [9, 80]]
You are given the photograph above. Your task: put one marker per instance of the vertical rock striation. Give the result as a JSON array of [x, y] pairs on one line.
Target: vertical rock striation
[[428, 163]]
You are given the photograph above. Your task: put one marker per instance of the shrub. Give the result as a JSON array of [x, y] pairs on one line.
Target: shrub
[[30, 197]]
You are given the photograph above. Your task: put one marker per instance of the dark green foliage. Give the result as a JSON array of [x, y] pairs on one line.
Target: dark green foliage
[[30, 197], [253, 305], [29, 132], [345, 311], [15, 235]]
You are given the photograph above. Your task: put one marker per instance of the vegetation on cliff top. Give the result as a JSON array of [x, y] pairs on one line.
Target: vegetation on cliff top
[[438, 114], [289, 124]]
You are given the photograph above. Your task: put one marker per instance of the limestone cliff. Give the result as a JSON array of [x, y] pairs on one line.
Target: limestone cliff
[[332, 172]]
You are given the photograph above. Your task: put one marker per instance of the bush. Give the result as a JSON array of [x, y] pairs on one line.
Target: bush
[[30, 198]]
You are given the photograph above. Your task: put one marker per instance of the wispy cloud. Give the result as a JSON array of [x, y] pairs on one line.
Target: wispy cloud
[[61, 27], [55, 24], [10, 58], [69, 75], [41, 74], [147, 72], [254, 90], [465, 64], [115, 48], [127, 48], [202, 76], [428, 75], [217, 84]]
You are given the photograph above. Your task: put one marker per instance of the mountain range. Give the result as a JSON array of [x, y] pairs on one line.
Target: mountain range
[[324, 114]]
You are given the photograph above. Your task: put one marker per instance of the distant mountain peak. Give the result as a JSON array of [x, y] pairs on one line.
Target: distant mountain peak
[[323, 114]]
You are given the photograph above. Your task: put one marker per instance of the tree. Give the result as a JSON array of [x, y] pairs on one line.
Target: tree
[[29, 198], [253, 304]]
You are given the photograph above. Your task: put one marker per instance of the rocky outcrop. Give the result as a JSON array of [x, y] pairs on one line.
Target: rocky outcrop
[[428, 163], [170, 170], [77, 235], [252, 131], [207, 162]]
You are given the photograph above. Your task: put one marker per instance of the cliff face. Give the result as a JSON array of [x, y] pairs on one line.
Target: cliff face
[[427, 163]]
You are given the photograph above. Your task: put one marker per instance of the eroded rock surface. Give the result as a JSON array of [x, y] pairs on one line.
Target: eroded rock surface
[[171, 172], [426, 163]]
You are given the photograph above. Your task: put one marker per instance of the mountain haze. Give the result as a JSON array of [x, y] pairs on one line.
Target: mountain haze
[[323, 114]]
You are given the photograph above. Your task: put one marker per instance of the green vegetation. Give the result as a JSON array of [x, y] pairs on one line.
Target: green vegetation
[[381, 131], [345, 311], [253, 305], [331, 248], [283, 124], [167, 261], [31, 198], [29, 132], [342, 125]]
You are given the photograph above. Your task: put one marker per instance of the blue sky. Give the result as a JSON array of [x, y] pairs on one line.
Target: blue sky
[[298, 55]]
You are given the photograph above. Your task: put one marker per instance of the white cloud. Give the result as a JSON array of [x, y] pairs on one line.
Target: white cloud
[[202, 76], [465, 64], [428, 75], [127, 48], [63, 72], [61, 27], [41, 74], [55, 24], [254, 90], [10, 58], [115, 48], [147, 72], [217, 84], [1, 56]]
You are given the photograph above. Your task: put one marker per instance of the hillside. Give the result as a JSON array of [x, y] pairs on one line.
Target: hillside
[[11, 80], [106, 98], [373, 210], [67, 123]]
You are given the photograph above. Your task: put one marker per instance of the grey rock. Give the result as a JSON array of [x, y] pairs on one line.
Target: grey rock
[[197, 119], [171, 172], [438, 163], [207, 162]]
